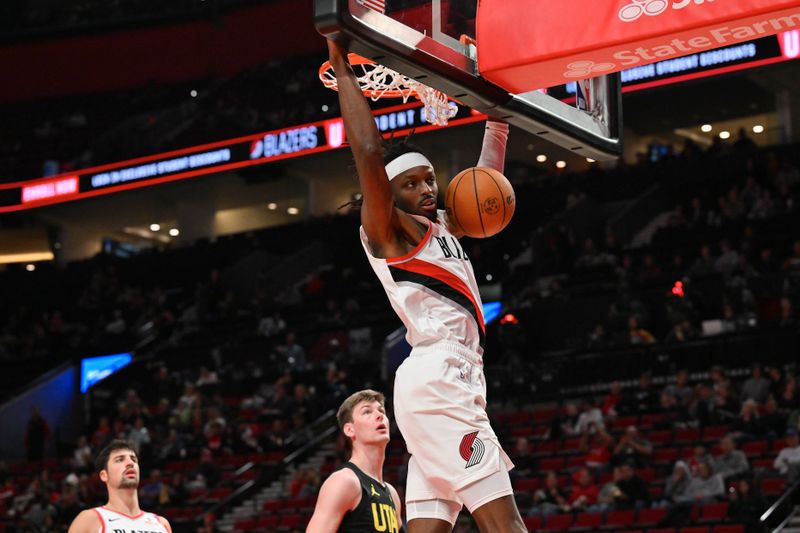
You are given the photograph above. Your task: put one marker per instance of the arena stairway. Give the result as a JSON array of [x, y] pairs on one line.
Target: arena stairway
[[269, 503]]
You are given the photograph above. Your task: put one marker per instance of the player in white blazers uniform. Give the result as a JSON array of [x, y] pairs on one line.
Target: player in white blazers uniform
[[440, 391], [118, 467]]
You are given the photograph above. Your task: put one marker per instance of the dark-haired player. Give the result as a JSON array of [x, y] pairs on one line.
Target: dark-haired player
[[440, 390], [355, 499], [118, 467]]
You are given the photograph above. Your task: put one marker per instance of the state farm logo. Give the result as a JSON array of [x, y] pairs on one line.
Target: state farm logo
[[651, 8], [586, 69]]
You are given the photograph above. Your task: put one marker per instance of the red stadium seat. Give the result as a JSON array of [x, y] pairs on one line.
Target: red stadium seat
[[713, 433], [549, 447], [662, 530], [590, 521], [738, 528], [617, 519], [570, 446], [755, 449], [247, 524], [533, 523], [268, 521], [291, 520], [694, 530], [527, 484], [658, 438], [557, 522], [624, 421], [687, 435], [772, 486], [665, 456], [551, 463], [650, 517], [714, 512]]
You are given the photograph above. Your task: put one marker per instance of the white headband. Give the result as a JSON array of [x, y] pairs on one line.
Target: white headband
[[404, 162]]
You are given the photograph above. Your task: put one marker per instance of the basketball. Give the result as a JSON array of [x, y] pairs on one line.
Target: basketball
[[480, 202]]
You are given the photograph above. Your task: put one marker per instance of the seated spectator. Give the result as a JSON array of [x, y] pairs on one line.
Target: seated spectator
[[207, 377], [787, 319], [748, 424], [788, 460], [677, 483], [609, 493], [705, 487], [524, 461], [550, 498], [699, 455], [756, 387], [789, 398], [773, 421], [598, 450], [632, 448], [703, 266], [271, 325], [745, 506], [673, 414], [638, 334], [207, 474], [563, 425], [633, 491], [82, 457], [584, 492], [680, 332], [730, 463], [612, 399], [642, 399], [150, 493], [724, 407], [681, 390], [590, 420]]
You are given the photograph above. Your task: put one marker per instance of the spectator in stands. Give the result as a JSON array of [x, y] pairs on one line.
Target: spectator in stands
[[633, 492], [699, 455], [638, 334], [612, 399], [632, 448], [705, 487], [177, 494], [150, 492], [564, 423], [271, 325], [728, 258], [681, 390], [673, 414], [206, 475], [293, 354], [734, 209], [82, 456], [584, 491], [207, 378], [789, 398], [36, 435], [676, 484], [704, 265], [724, 407], [788, 460], [787, 320], [606, 498], [597, 447], [209, 524], [590, 420], [550, 498], [524, 461], [730, 463], [642, 399], [746, 506], [757, 386], [748, 424], [773, 422]]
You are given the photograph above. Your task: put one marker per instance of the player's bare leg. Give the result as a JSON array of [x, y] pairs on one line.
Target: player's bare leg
[[499, 516], [429, 525]]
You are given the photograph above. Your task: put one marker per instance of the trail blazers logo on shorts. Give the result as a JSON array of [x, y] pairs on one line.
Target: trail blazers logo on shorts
[[472, 449]]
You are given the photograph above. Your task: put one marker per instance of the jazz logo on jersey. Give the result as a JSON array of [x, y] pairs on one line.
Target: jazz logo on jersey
[[471, 449], [384, 518]]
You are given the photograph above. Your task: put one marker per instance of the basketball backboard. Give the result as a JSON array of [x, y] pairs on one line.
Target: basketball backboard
[[433, 42]]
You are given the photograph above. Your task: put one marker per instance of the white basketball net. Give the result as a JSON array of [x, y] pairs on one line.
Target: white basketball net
[[377, 81]]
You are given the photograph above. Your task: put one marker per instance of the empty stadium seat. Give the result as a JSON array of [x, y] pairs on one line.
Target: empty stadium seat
[[616, 519], [713, 512], [557, 522], [738, 528], [650, 517], [590, 521]]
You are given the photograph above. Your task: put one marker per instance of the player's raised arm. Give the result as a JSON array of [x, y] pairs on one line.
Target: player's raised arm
[[493, 151], [377, 212], [339, 494]]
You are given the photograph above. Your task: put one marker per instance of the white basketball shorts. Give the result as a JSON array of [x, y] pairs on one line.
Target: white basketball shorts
[[440, 408]]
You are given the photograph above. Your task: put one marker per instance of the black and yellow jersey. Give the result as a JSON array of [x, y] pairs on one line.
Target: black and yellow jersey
[[375, 511]]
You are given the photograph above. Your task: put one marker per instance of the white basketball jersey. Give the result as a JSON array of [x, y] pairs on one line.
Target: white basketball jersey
[[114, 522], [433, 289]]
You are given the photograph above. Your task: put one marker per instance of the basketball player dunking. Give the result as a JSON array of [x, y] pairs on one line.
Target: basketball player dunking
[[439, 390], [118, 467], [355, 499]]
